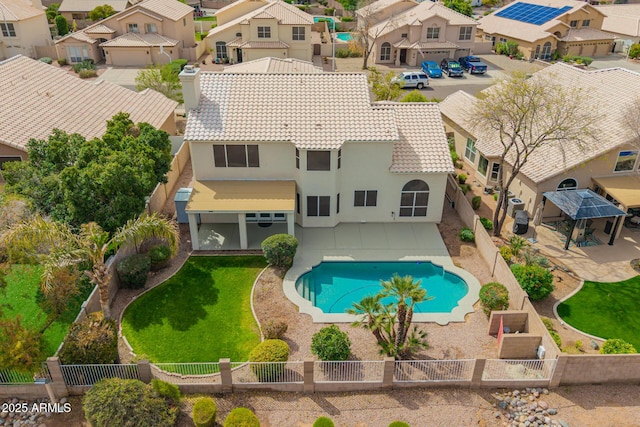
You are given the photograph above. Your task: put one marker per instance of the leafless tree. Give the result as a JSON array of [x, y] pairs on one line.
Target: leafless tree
[[369, 29]]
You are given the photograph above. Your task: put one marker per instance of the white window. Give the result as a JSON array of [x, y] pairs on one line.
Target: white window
[[221, 50], [470, 150], [414, 198], [151, 28], [318, 205], [465, 33], [236, 156], [495, 172], [483, 165], [626, 161], [385, 52], [298, 33], [568, 184], [264, 32], [77, 53], [7, 29], [365, 198], [433, 33], [133, 28]]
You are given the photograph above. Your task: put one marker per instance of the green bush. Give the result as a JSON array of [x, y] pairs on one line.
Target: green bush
[[46, 60], [329, 11], [91, 341], [399, 424], [549, 325], [343, 53], [204, 412], [506, 253], [166, 390], [476, 201], [634, 51], [531, 257], [324, 422], [536, 281], [617, 346], [62, 61], [494, 297], [454, 156], [87, 74], [517, 243], [462, 178], [330, 343], [87, 64], [133, 271], [495, 197], [274, 330], [466, 235], [280, 249], [269, 351], [241, 417], [465, 188], [303, 7], [486, 223], [62, 26], [346, 19], [159, 256], [115, 402]]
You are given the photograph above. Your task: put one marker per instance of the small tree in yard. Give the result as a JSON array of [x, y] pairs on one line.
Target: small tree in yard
[[525, 115], [101, 12], [617, 346], [368, 30], [383, 86], [161, 79], [62, 26], [279, 250]]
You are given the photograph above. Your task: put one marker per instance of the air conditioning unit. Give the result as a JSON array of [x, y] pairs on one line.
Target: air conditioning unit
[[541, 352]]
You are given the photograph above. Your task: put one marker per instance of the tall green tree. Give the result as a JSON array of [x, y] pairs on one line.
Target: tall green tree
[[62, 26], [460, 6], [161, 79], [101, 12], [103, 180], [384, 87], [52, 12]]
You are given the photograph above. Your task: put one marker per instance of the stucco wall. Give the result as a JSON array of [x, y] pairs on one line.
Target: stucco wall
[[29, 33]]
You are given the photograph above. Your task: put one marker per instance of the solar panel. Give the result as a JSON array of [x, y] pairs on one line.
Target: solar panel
[[532, 13]]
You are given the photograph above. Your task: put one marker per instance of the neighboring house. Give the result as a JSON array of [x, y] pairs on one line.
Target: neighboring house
[[324, 156], [274, 65], [253, 29], [78, 10], [425, 31], [37, 97], [542, 27], [150, 32], [24, 26], [623, 21], [610, 165]]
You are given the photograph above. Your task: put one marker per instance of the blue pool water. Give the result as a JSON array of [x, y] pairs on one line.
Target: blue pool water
[[330, 22], [335, 286], [345, 37]]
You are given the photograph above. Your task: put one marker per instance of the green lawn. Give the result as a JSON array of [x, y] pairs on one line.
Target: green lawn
[[22, 297], [206, 18], [607, 310], [201, 314]]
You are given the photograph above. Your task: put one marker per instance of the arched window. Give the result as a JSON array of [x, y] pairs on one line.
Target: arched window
[[546, 50], [414, 199], [568, 184], [385, 51], [221, 50]]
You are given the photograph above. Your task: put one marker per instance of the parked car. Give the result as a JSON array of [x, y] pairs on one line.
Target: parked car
[[473, 65], [409, 79], [451, 67], [432, 69]]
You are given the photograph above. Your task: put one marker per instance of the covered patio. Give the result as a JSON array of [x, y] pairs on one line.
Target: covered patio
[[624, 190]]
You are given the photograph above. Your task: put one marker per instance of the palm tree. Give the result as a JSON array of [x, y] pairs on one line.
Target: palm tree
[[57, 247], [369, 309]]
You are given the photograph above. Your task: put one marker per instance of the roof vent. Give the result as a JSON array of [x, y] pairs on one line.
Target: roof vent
[[189, 69]]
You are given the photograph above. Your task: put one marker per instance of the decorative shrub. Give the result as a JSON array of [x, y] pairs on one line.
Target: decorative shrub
[[280, 249], [634, 51], [62, 61], [46, 60], [204, 412], [495, 197], [241, 417], [454, 156], [87, 74], [342, 53], [115, 402], [166, 390], [91, 341], [617, 346], [87, 64], [269, 351], [476, 202], [486, 223], [347, 19], [536, 281], [159, 256], [133, 271], [466, 235], [517, 243], [399, 424], [531, 257], [324, 422], [465, 188], [462, 178], [494, 296], [330, 343], [274, 330], [329, 11], [506, 253]]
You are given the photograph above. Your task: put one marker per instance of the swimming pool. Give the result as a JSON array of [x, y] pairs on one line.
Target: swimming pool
[[345, 37], [333, 287], [330, 22]]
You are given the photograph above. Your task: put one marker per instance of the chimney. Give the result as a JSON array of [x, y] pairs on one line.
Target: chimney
[[190, 79]]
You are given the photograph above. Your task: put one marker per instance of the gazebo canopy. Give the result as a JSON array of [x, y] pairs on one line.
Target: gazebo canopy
[[583, 204]]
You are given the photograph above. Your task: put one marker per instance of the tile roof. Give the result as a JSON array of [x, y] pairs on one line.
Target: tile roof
[[584, 34], [140, 40], [621, 19], [80, 36], [434, 45], [276, 44], [229, 101], [17, 10], [608, 90], [416, 15], [274, 65], [89, 5], [171, 9], [37, 97], [378, 5], [99, 29]]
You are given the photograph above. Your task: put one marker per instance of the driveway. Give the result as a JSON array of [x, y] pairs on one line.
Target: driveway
[[125, 77], [616, 60]]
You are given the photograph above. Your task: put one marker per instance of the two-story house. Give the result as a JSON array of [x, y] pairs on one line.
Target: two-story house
[[77, 11], [24, 26], [609, 165], [324, 156], [542, 27], [253, 29], [150, 32], [410, 35]]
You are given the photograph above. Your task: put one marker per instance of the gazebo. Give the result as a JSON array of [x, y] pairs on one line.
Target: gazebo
[[581, 205]]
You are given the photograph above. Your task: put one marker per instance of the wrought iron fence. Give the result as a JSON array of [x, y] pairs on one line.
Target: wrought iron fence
[[513, 369], [187, 373], [9, 376], [87, 375], [433, 370], [348, 371], [267, 372]]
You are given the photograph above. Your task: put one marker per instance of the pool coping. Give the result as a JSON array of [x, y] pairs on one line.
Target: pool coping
[[458, 314]]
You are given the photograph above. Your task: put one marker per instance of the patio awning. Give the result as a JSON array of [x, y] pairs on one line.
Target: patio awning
[[625, 189], [242, 196], [583, 204]]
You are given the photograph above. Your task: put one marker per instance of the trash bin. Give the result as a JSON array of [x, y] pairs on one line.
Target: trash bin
[[514, 205], [521, 222], [607, 227]]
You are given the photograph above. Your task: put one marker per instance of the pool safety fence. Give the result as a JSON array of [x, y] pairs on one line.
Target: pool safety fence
[[353, 371], [516, 369], [417, 371], [88, 375]]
